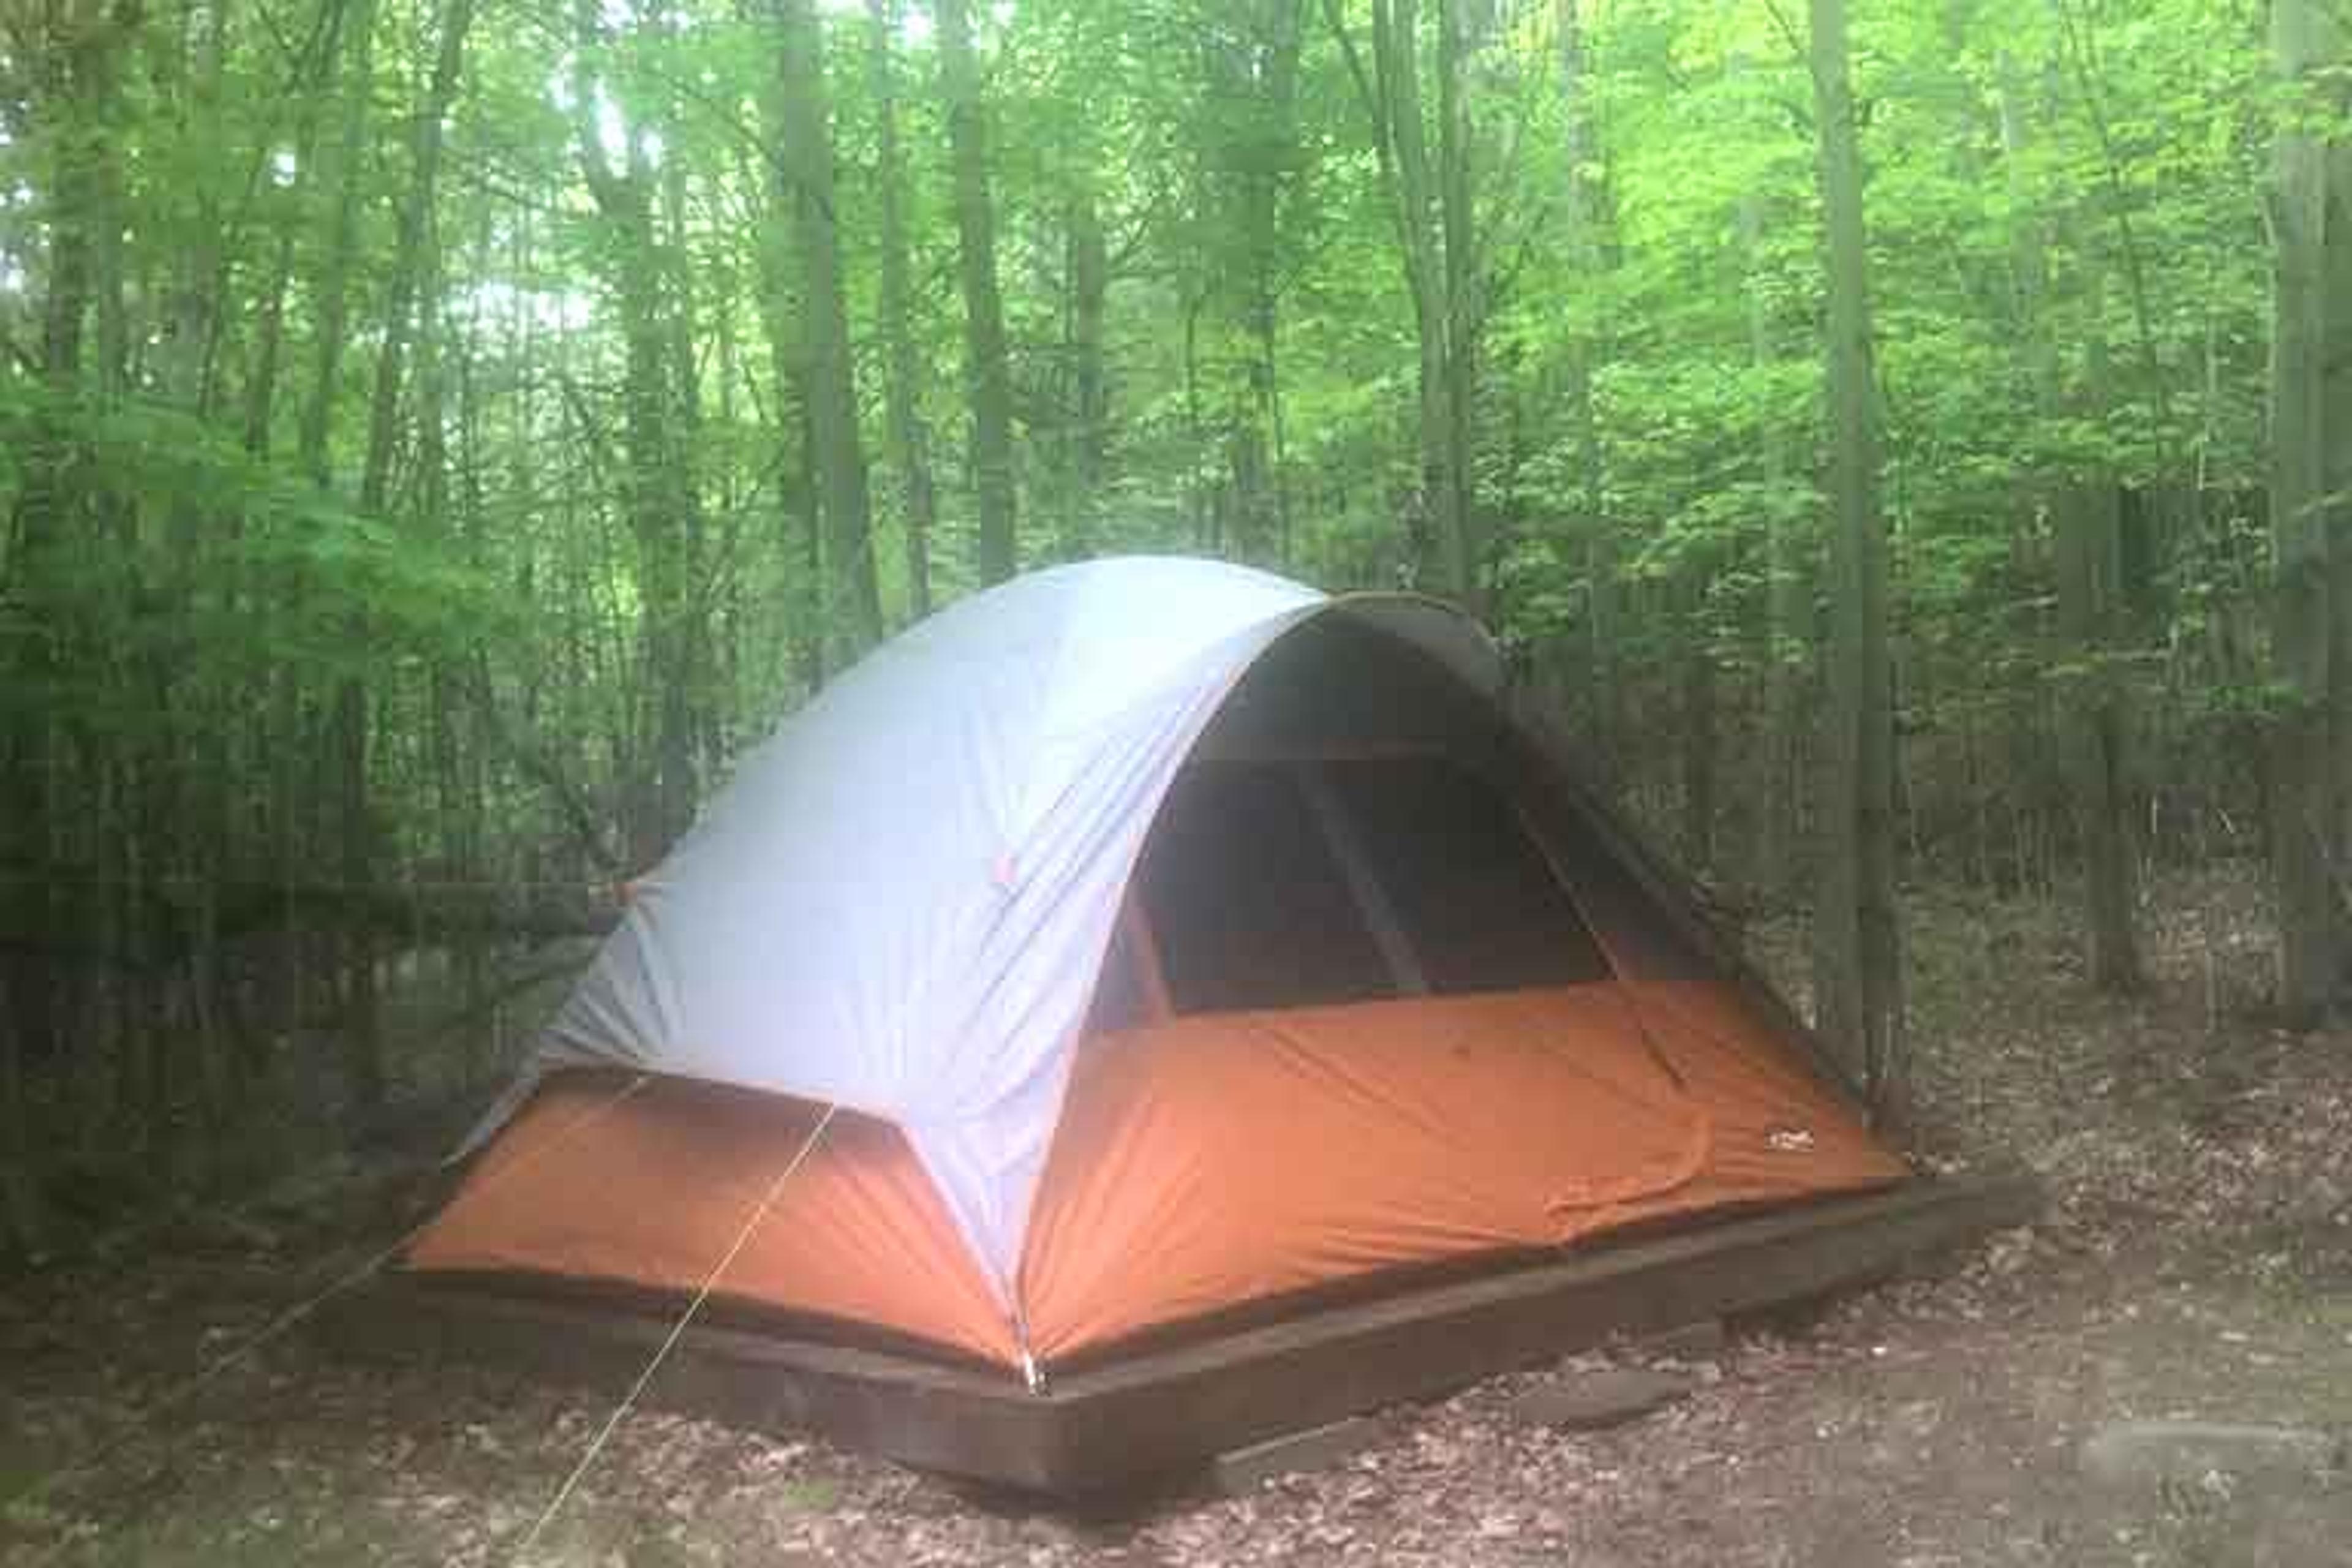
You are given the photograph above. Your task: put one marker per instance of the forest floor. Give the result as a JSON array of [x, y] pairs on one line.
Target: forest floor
[[2196, 1262]]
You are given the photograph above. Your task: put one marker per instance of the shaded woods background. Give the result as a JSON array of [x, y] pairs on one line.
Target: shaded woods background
[[440, 434]]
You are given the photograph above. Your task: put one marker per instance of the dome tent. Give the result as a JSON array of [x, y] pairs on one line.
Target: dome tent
[[1178, 944]]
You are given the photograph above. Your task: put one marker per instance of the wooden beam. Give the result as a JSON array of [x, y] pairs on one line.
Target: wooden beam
[[1134, 1418]]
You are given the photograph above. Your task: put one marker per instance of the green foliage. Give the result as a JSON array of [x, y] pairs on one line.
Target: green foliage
[[1254, 276]]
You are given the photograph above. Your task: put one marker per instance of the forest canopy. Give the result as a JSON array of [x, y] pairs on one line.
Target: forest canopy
[[437, 436]]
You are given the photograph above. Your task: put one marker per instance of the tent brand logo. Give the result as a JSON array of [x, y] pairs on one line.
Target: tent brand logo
[[1789, 1139]]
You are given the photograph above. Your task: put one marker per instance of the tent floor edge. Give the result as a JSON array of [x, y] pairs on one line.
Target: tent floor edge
[[1134, 1422]]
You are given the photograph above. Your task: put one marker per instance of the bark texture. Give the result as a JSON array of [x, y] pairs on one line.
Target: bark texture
[[2306, 804], [1857, 956], [989, 373], [853, 599], [902, 369]]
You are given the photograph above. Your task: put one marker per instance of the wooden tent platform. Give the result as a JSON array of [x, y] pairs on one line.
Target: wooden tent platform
[[1164, 1411]]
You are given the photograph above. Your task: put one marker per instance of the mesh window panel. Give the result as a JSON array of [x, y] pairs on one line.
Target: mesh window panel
[[1641, 936], [1474, 894], [1249, 907]]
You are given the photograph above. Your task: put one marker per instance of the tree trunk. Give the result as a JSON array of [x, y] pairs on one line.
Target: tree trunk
[[1196, 493], [677, 258], [2302, 790], [2094, 714], [1466, 529], [1266, 163], [1698, 720], [853, 606], [197, 772], [362, 1025], [1389, 91], [408, 260], [1591, 529], [2336, 481], [312, 86], [800, 513], [340, 180], [71, 77], [658, 496], [989, 373], [45, 518], [460, 739], [261, 385], [1396, 25], [199, 293], [902, 375], [2094, 720], [330, 304], [1286, 541], [1089, 287], [806, 515], [1788, 600], [1856, 959], [275, 723]]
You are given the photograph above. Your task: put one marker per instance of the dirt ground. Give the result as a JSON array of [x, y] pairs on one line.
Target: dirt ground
[[2196, 1262]]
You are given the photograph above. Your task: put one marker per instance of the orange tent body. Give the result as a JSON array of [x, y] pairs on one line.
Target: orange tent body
[[1201, 1165], [1389, 995]]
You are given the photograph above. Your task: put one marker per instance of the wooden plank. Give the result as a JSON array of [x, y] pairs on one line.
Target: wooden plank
[[1703, 1340], [922, 1413], [1244, 1470], [1255, 1384], [1144, 1416], [1595, 1401]]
